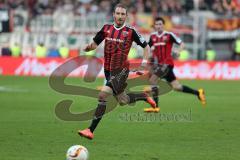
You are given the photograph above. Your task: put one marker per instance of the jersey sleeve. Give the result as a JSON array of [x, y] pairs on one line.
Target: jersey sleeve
[[100, 36], [139, 39], [150, 42], [175, 38]]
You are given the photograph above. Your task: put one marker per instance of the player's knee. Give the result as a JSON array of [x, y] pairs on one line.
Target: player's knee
[[153, 80], [102, 96], [177, 87], [122, 103], [123, 100]]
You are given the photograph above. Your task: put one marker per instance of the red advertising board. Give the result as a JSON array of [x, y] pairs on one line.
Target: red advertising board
[[224, 70]]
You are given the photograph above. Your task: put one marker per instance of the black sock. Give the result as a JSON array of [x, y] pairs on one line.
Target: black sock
[[137, 97], [186, 89], [98, 115], [155, 93]]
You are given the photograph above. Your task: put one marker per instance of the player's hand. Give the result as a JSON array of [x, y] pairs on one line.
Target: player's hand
[[87, 48], [137, 71], [90, 47], [143, 64], [175, 53]]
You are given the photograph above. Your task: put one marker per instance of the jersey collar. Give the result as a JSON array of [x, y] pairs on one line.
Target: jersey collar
[[160, 35], [120, 27]]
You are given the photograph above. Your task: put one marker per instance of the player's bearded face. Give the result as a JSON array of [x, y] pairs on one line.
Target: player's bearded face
[[159, 26], [120, 15]]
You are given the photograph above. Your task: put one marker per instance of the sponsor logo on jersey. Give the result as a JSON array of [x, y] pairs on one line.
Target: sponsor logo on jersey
[[125, 33], [165, 38], [114, 39], [160, 44]]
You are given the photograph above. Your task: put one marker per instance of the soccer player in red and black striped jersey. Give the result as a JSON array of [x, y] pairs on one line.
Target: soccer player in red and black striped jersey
[[118, 41], [161, 43]]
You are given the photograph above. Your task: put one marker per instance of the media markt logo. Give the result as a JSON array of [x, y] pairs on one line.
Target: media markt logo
[[94, 66], [33, 66]]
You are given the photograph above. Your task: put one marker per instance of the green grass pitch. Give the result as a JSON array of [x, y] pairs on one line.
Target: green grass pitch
[[30, 130]]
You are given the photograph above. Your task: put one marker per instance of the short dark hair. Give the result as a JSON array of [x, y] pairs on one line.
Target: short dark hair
[[159, 19], [120, 5]]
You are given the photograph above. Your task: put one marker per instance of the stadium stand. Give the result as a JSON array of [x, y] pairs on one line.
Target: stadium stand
[[73, 22]]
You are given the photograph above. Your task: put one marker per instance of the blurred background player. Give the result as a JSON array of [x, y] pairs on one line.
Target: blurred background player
[[161, 43], [118, 41]]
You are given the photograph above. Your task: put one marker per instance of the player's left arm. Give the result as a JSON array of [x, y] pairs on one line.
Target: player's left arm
[[146, 52], [142, 42], [177, 51], [179, 42], [181, 47]]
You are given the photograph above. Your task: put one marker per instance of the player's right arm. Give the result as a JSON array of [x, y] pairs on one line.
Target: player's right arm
[[141, 41], [100, 36], [151, 45], [178, 41], [90, 47], [150, 42]]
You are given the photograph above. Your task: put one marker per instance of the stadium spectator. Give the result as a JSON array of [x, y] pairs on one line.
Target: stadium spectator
[[64, 51], [5, 51], [105, 6], [74, 52], [236, 49], [188, 5], [210, 54], [169, 6], [226, 7], [41, 51], [85, 7], [202, 5], [184, 55], [37, 8], [174, 6], [2, 4], [16, 4], [208, 4], [230, 7], [132, 53], [53, 52], [15, 50]]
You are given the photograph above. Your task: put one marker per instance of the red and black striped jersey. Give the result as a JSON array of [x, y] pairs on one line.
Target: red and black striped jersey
[[161, 46], [118, 42]]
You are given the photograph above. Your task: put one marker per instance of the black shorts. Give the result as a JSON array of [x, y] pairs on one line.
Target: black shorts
[[117, 79], [164, 72]]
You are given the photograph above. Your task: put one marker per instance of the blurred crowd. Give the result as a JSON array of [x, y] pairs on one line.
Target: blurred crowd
[[36, 7], [84, 7], [41, 51]]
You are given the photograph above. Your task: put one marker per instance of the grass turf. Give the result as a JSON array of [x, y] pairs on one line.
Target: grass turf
[[29, 129]]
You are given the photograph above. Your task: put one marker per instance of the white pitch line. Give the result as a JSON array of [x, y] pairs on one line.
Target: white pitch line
[[9, 89]]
